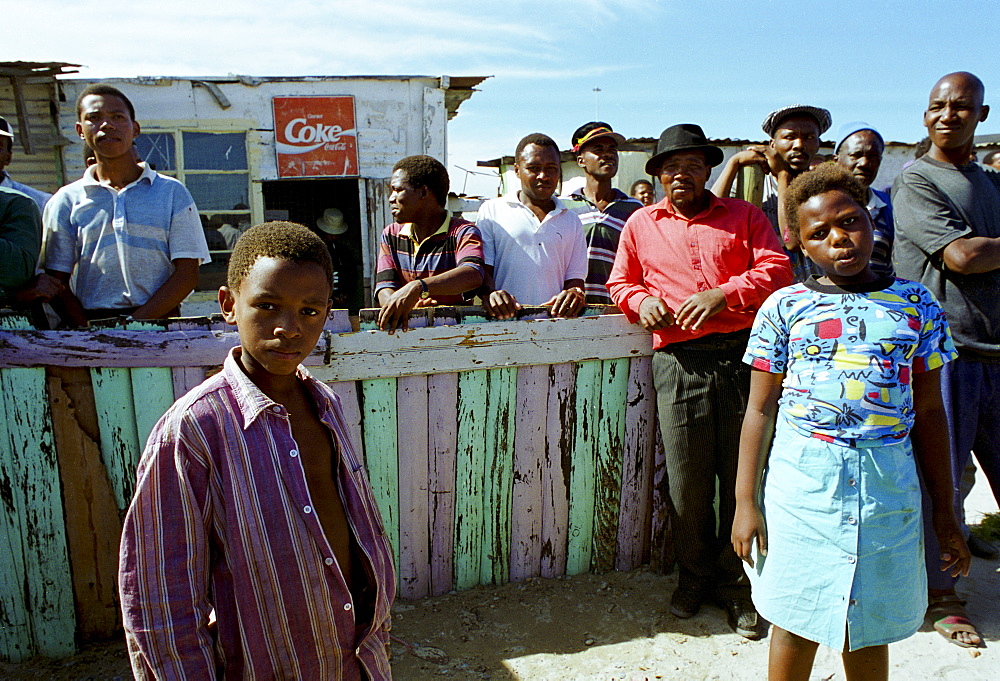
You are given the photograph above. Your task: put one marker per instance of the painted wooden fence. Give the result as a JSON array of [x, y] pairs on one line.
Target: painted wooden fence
[[497, 451]]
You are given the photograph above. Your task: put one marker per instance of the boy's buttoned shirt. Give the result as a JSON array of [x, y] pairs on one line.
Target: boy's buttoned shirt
[[222, 519]]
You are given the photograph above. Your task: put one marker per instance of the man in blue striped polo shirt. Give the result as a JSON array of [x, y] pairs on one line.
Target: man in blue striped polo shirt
[[125, 240]]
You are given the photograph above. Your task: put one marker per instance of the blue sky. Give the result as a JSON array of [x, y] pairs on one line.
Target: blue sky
[[722, 64]]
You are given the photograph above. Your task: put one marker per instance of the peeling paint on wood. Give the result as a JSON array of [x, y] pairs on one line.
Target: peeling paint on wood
[[608, 455], [36, 495], [470, 472], [442, 446], [637, 467], [500, 410], [582, 473], [529, 455], [560, 424], [379, 409], [414, 532], [120, 447]]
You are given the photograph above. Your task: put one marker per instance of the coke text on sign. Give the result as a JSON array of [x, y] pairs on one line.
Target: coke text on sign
[[315, 136]]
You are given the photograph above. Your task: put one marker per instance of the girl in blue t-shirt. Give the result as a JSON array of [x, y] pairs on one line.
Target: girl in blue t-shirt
[[845, 406]]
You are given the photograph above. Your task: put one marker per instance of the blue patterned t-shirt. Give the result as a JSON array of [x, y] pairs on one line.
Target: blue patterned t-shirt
[[848, 356]]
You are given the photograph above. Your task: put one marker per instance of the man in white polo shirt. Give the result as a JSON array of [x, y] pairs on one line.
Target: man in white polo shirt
[[534, 247], [125, 239]]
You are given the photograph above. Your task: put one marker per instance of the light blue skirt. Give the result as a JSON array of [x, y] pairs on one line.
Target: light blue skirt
[[845, 559]]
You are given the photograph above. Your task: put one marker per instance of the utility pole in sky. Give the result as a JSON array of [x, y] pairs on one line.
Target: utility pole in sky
[[597, 103]]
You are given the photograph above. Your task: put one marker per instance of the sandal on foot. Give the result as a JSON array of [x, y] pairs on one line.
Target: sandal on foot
[[948, 615]]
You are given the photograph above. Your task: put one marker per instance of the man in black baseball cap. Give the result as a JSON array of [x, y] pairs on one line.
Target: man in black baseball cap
[[693, 269], [601, 208]]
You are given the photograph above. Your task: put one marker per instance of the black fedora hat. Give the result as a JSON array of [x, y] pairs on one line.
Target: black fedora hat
[[683, 137]]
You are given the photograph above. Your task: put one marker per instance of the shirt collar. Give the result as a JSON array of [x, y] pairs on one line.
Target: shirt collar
[[875, 202], [619, 196], [407, 229], [513, 200], [666, 207], [251, 400], [90, 179]]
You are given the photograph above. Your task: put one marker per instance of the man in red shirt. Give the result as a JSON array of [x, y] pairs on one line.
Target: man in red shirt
[[693, 269]]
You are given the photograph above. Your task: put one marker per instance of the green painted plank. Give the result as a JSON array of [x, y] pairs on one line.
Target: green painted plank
[[379, 409], [120, 447], [470, 470], [152, 390], [152, 395], [16, 641], [582, 474], [609, 457], [494, 566], [38, 504]]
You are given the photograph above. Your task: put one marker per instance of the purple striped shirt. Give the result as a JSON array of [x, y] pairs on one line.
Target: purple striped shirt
[[222, 519]]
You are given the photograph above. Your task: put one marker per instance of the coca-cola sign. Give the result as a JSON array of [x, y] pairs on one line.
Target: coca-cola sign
[[315, 136]]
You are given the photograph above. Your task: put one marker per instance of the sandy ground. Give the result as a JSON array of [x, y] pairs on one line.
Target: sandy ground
[[612, 626]]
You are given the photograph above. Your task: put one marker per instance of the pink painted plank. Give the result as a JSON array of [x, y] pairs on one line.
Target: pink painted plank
[[442, 444], [347, 391], [529, 452], [635, 515], [414, 539], [559, 427], [661, 550]]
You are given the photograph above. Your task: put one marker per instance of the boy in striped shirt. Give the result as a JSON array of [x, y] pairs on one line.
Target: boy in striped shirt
[[253, 548]]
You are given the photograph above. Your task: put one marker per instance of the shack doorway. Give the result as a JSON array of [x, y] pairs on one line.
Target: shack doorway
[[307, 201]]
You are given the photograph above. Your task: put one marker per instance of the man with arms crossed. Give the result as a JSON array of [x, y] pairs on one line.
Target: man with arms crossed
[[948, 238]]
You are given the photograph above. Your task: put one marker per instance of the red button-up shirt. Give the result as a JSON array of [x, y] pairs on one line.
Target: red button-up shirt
[[730, 246], [222, 519]]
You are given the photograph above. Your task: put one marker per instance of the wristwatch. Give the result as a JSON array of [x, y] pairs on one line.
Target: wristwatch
[[425, 293]]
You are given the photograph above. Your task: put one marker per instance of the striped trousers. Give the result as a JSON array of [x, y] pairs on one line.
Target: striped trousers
[[702, 388]]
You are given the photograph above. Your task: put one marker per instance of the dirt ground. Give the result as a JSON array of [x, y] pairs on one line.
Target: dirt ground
[[611, 626]]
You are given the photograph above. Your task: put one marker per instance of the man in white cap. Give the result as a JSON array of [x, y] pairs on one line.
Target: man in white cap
[[794, 132], [859, 149], [6, 154], [331, 228]]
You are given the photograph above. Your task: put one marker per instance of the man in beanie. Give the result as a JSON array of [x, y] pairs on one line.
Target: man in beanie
[[694, 269], [794, 132], [601, 208], [859, 149]]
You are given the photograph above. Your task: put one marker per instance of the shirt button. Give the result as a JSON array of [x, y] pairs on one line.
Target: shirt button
[[357, 651], [308, 509], [852, 482], [851, 559], [276, 409], [293, 453], [347, 606], [328, 561], [852, 521], [854, 601]]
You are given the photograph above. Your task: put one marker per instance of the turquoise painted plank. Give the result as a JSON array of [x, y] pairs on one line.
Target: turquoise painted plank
[[379, 409], [38, 503], [152, 390], [152, 395], [469, 477], [609, 457], [582, 474], [120, 447], [16, 640], [494, 566]]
